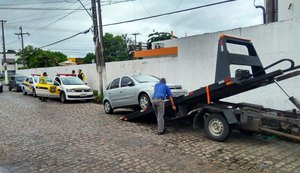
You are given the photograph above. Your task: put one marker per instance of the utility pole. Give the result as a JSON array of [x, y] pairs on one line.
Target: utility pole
[[21, 34], [102, 71], [98, 42], [4, 52], [135, 34]]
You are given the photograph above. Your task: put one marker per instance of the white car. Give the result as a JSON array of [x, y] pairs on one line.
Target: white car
[[29, 85], [134, 91], [73, 88]]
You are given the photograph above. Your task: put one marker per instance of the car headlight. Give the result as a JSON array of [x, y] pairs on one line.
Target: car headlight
[[70, 90]]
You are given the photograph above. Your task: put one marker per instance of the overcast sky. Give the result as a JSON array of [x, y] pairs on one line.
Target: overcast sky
[[48, 26]]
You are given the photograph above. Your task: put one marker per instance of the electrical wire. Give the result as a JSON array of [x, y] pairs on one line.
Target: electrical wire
[[83, 32], [165, 14]]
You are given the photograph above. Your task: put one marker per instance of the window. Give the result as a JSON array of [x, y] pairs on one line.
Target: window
[[115, 84], [30, 80], [27, 80], [58, 80], [125, 80]]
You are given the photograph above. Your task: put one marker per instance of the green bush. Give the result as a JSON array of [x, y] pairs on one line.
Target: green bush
[[98, 98]]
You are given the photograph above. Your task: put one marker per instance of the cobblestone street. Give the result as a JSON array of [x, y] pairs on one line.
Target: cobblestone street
[[50, 136]]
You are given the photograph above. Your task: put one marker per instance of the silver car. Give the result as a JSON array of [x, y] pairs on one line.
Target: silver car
[[134, 91]]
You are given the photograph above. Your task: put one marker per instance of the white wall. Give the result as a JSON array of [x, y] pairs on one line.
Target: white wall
[[195, 65], [288, 9], [88, 69]]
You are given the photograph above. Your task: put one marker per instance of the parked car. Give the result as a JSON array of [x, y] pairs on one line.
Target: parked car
[[65, 88], [1, 87], [29, 85], [73, 88], [134, 91], [16, 82]]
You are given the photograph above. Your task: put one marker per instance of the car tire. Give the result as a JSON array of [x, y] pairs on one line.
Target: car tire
[[19, 89], [107, 107], [9, 87], [1, 90], [62, 97], [144, 101], [33, 93], [216, 127], [24, 91]]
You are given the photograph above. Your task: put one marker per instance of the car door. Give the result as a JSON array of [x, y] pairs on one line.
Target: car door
[[114, 93], [127, 91], [26, 85]]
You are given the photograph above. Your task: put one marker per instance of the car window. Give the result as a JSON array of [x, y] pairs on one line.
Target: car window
[[30, 80], [145, 78], [27, 80], [57, 79], [125, 80], [20, 78], [115, 84], [71, 81], [36, 79]]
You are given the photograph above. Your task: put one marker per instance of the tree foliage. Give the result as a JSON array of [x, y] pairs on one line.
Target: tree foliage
[[89, 58], [158, 36], [115, 48], [36, 57]]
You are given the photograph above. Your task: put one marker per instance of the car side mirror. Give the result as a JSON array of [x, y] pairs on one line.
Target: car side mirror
[[130, 84]]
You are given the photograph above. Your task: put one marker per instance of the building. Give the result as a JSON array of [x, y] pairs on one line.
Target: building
[[11, 59]]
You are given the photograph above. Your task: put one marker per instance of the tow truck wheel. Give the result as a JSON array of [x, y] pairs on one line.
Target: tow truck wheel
[[24, 92], [63, 97], [144, 101], [107, 107], [216, 127]]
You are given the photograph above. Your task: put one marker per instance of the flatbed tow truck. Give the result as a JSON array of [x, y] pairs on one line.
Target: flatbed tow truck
[[218, 117]]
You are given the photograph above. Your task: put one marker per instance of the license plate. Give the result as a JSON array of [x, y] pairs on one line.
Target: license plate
[[83, 95]]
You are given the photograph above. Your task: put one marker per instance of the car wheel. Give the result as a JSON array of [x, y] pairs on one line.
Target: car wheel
[[144, 101], [107, 107], [63, 97], [19, 89], [9, 87], [1, 90], [216, 127], [24, 92], [33, 93]]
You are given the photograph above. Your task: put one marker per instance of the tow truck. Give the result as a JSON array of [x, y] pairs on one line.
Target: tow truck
[[204, 105]]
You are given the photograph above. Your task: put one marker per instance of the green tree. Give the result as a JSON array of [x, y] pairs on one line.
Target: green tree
[[115, 48], [89, 57], [36, 57]]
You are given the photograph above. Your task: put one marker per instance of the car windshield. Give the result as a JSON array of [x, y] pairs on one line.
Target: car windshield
[[71, 81], [145, 78], [36, 78], [20, 78]]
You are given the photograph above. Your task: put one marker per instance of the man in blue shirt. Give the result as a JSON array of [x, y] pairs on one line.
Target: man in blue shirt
[[161, 90]]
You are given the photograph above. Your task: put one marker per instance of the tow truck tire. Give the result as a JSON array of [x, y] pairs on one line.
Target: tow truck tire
[[107, 107], [63, 97], [216, 127], [24, 92], [144, 101]]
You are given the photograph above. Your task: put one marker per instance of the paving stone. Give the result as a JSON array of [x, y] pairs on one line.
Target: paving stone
[[50, 136]]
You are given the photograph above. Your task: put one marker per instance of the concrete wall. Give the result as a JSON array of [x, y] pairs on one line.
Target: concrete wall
[[88, 69], [288, 9], [195, 65]]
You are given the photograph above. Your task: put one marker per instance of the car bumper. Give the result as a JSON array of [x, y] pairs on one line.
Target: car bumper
[[80, 96]]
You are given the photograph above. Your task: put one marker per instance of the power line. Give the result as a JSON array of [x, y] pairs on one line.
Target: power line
[[47, 9], [165, 14], [83, 32], [31, 3]]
